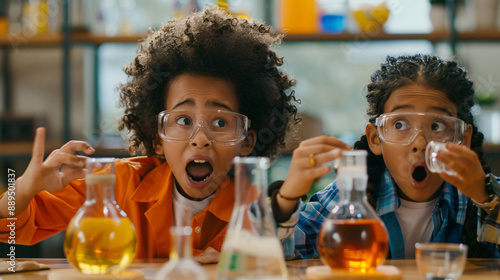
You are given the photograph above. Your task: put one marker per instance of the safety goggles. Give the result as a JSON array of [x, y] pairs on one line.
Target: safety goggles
[[403, 128], [221, 127]]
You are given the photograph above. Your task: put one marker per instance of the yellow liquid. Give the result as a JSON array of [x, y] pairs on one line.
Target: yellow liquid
[[99, 245]]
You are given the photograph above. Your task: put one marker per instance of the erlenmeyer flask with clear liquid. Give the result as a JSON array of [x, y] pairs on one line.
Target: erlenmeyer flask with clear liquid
[[100, 239], [352, 237], [181, 265], [251, 249]]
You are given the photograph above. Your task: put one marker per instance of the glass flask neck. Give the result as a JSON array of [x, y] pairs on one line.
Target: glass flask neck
[[100, 189], [352, 177], [100, 181], [181, 265], [352, 196], [181, 246], [250, 179], [251, 249]]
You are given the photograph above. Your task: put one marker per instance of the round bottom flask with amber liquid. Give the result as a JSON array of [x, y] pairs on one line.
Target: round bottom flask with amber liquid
[[352, 238], [100, 239], [354, 244]]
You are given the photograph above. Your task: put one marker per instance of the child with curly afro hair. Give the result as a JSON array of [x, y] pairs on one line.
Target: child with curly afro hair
[[201, 91], [412, 100]]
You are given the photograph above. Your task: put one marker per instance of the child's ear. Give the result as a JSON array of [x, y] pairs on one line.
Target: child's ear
[[158, 148], [373, 139], [467, 136], [248, 143]]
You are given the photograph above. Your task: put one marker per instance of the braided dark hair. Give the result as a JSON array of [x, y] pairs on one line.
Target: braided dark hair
[[214, 43], [433, 72]]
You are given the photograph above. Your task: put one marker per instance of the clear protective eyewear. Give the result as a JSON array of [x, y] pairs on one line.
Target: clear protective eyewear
[[221, 127], [403, 128]]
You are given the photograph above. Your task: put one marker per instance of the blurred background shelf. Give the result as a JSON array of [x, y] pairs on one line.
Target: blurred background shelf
[[22, 150], [482, 35], [431, 37], [67, 73], [80, 37], [101, 39], [86, 30], [89, 35], [13, 41]]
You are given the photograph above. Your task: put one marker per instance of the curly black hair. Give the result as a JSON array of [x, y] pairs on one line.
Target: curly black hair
[[213, 43], [433, 72]]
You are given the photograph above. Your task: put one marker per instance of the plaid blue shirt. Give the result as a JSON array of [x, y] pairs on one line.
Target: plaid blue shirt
[[448, 218]]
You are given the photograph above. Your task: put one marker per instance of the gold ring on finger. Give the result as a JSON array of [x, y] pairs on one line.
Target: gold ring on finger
[[311, 160]]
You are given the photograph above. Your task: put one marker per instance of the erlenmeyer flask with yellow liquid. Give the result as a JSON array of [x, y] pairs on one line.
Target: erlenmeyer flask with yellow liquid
[[100, 239]]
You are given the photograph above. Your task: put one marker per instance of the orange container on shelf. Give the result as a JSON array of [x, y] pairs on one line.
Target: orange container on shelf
[[3, 17], [298, 16], [4, 26]]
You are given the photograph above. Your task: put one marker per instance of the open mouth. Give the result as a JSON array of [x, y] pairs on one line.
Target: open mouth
[[199, 170], [419, 173]]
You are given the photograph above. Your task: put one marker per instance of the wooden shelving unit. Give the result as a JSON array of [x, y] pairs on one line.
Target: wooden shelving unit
[[36, 40], [22, 150], [79, 37], [57, 39], [432, 37]]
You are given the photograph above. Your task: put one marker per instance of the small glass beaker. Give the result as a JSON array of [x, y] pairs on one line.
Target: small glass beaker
[[100, 238], [181, 265], [352, 237], [440, 260], [434, 165], [251, 249]]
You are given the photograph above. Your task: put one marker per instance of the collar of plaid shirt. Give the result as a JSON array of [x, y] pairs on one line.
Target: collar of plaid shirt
[[448, 216]]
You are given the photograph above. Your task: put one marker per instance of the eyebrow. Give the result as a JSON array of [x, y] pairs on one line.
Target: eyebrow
[[434, 108], [221, 105], [187, 101], [209, 103]]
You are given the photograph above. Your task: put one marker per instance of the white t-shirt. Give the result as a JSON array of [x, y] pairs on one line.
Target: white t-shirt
[[185, 209], [416, 223]]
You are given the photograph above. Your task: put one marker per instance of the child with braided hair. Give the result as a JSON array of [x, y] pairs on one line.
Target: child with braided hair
[[412, 100]]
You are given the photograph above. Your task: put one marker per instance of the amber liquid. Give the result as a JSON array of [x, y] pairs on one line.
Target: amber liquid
[[355, 245], [100, 245]]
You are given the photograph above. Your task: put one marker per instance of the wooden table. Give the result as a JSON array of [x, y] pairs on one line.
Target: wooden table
[[476, 269]]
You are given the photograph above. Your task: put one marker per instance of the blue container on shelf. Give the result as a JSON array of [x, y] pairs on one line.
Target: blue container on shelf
[[333, 15], [333, 23]]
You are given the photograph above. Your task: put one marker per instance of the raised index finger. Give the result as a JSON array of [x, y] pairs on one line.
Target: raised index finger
[[39, 145]]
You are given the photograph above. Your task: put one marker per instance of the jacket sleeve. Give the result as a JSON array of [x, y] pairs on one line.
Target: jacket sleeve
[[301, 244], [489, 224], [46, 214]]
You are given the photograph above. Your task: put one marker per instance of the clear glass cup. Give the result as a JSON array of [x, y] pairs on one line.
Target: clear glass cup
[[440, 260], [251, 249], [100, 238], [433, 164]]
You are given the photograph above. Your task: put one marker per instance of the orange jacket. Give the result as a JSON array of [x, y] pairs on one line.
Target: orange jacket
[[143, 189]]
